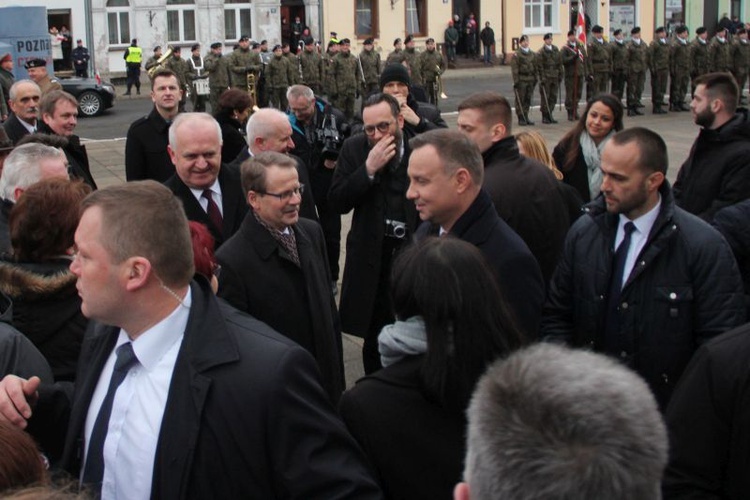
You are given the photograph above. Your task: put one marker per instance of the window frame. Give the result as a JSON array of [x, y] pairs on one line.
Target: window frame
[[374, 20], [181, 8], [421, 17], [541, 28], [238, 7], [119, 12]]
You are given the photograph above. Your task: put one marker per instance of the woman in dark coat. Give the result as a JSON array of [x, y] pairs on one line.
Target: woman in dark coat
[[46, 305], [235, 106], [578, 153], [409, 417]]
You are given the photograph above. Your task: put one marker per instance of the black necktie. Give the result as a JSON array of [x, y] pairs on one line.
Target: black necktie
[[93, 473], [615, 282], [214, 214]]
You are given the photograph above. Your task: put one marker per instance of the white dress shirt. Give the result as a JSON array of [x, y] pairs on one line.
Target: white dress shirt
[[138, 407], [215, 195], [643, 225]]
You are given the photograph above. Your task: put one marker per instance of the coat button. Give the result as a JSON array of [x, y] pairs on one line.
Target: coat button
[[673, 296], [623, 354], [624, 305]]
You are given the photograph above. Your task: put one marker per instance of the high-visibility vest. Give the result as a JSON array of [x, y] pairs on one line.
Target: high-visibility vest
[[135, 55]]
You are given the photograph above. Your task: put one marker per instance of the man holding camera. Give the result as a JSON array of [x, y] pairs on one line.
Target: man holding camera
[[371, 179], [318, 131]]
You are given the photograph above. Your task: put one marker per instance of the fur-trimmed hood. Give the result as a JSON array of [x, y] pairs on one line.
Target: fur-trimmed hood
[[36, 281]]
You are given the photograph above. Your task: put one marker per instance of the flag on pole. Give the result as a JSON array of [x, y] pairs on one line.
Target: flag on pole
[[581, 27]]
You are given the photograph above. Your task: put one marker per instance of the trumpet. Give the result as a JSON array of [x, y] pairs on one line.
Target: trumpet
[[159, 63]]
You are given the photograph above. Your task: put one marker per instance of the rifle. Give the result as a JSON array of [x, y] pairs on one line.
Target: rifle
[[520, 105]]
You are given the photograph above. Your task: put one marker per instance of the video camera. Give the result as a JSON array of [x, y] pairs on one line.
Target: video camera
[[329, 137]]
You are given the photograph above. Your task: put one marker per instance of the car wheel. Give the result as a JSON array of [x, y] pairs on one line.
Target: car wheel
[[90, 103]]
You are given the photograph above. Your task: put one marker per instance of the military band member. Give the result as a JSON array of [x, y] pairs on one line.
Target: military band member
[[312, 66], [741, 60], [599, 64], [573, 60], [679, 70], [637, 64], [549, 61], [218, 75], [433, 65], [241, 62], [619, 53], [154, 59], [197, 72], [659, 68], [524, 68], [279, 77], [699, 64]]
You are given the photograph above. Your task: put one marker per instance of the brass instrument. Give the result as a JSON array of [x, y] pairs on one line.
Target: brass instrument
[[252, 87], [439, 82], [159, 63]]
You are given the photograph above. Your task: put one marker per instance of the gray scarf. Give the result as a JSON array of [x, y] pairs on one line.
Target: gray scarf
[[401, 339], [592, 155]]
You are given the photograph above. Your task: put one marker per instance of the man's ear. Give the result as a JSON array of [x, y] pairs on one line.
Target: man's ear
[[136, 273], [498, 131], [462, 179], [461, 491]]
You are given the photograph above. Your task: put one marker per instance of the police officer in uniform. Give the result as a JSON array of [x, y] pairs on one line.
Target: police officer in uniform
[[181, 68], [679, 70], [346, 79], [599, 64], [218, 75], [699, 64], [524, 68], [37, 69], [241, 62], [637, 64], [619, 54], [718, 53], [741, 60], [279, 77], [573, 60], [133, 57], [549, 60], [371, 67], [312, 66], [659, 50], [433, 65]]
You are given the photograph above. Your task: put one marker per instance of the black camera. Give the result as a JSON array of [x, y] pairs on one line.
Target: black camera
[[395, 229], [330, 138]]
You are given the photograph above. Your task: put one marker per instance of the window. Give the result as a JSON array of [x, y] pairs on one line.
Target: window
[[180, 20], [416, 17], [366, 18], [118, 22], [538, 15], [237, 19]]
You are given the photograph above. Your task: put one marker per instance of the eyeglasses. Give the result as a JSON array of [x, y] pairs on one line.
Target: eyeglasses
[[381, 127], [286, 195]]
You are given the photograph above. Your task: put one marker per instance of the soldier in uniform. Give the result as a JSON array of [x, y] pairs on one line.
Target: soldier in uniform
[[241, 62], [181, 68], [279, 77], [573, 60], [699, 64], [659, 68], [154, 59], [619, 55], [524, 68], [433, 65], [550, 71], [218, 75], [741, 60], [637, 64], [398, 48], [293, 62], [312, 66], [679, 70], [197, 72], [599, 64], [37, 69], [371, 67], [346, 79], [329, 86], [718, 53], [412, 59]]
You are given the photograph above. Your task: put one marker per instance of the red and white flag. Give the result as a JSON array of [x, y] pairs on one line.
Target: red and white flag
[[581, 28]]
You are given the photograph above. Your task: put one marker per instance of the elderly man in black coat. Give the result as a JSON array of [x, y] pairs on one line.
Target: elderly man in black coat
[[370, 178], [209, 191], [275, 267], [445, 174], [641, 279], [524, 191]]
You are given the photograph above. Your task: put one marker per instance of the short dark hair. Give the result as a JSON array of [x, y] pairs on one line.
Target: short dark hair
[[447, 282], [44, 219], [163, 73], [235, 99], [652, 150], [721, 86], [455, 150], [253, 170], [495, 108], [376, 99]]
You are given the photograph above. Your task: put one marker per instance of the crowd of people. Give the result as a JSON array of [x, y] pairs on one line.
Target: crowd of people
[[536, 321]]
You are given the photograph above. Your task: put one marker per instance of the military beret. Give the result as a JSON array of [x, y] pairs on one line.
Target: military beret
[[660, 29], [284, 45], [597, 29], [369, 41], [548, 36], [216, 45], [409, 38], [255, 45], [309, 40], [523, 38], [635, 30], [276, 47], [571, 32], [345, 41], [195, 47], [158, 47], [264, 42], [700, 30], [176, 50], [681, 29], [244, 38], [617, 32], [430, 40], [396, 41], [35, 63]]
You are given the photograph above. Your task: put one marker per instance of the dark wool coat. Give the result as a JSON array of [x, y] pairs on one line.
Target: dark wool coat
[[526, 196], [259, 278], [733, 222], [684, 289], [717, 171], [146, 155], [17, 354], [578, 176], [232, 199], [14, 129], [246, 416]]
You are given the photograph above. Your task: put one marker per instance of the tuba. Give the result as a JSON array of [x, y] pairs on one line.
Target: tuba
[[159, 63]]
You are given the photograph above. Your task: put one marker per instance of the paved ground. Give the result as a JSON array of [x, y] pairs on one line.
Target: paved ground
[[107, 156]]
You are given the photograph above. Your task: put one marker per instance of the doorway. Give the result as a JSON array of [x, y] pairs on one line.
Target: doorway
[[58, 24], [291, 32]]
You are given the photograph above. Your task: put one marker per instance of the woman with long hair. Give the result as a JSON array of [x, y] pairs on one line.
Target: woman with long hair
[[578, 154], [451, 323]]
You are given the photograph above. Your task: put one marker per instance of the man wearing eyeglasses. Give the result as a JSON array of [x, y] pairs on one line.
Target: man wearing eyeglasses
[[370, 178], [275, 267], [209, 191]]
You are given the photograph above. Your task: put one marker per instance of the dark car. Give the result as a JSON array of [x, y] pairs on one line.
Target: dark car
[[93, 98]]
